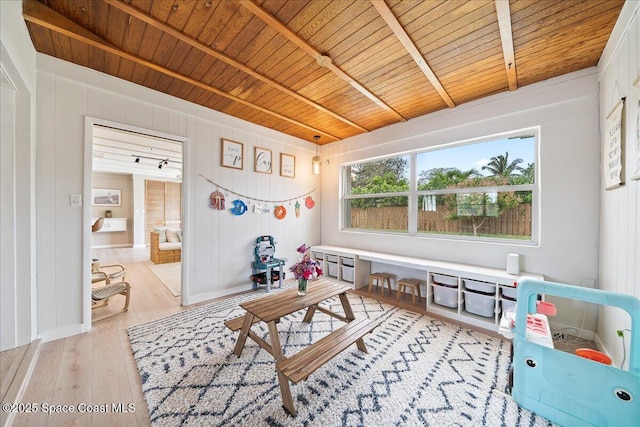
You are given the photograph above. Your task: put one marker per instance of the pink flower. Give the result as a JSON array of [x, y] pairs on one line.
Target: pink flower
[[306, 267]]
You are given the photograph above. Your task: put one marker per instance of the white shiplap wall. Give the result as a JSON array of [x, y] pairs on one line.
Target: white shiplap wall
[[620, 208], [219, 245]]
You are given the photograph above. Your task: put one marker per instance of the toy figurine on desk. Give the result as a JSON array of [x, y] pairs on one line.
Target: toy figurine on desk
[[263, 267]]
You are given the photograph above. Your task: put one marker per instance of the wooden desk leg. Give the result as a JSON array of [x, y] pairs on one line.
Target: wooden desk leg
[[285, 389], [244, 333]]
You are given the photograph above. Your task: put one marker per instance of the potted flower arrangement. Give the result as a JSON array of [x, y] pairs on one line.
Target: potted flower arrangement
[[107, 213], [305, 269]]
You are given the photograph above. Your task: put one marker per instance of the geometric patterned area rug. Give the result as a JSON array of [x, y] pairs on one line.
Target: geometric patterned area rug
[[419, 371]]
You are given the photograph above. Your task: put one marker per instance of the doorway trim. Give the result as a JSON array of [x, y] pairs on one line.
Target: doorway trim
[[90, 122]]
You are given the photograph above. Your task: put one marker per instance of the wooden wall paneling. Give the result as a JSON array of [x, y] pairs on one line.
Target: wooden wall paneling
[[45, 197], [70, 110], [203, 221], [139, 113], [172, 205], [154, 206], [160, 119]]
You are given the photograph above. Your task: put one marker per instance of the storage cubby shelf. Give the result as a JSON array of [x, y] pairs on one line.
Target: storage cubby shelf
[[485, 284]]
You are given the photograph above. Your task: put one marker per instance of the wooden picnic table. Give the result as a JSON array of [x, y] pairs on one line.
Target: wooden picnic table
[[298, 367]]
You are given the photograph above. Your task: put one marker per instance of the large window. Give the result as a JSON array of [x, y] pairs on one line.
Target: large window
[[483, 189]]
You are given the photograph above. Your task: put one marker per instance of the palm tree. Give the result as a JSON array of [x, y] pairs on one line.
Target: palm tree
[[440, 178], [500, 166]]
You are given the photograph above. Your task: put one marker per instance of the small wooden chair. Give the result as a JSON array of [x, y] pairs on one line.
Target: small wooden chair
[[102, 292], [411, 283], [107, 272], [380, 278], [100, 296]]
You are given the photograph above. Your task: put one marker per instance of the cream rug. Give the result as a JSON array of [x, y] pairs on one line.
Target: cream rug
[[419, 371], [170, 275]]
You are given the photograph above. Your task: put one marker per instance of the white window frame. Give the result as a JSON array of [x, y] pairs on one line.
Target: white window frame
[[413, 194]]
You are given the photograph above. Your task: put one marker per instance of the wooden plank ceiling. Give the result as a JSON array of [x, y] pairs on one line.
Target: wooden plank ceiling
[[329, 68]]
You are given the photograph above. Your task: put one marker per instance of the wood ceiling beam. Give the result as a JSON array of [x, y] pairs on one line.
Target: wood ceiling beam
[[144, 17], [410, 47], [506, 36], [322, 60], [39, 14]]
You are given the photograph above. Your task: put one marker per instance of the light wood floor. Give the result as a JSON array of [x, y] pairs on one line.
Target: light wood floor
[[97, 368]]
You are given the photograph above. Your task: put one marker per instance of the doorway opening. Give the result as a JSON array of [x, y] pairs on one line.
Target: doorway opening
[[136, 187]]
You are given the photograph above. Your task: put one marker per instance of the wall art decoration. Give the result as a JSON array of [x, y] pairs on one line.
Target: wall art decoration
[[262, 160], [259, 208], [309, 202], [280, 212], [287, 165], [232, 155], [635, 116], [106, 197], [238, 207], [216, 201], [613, 160]]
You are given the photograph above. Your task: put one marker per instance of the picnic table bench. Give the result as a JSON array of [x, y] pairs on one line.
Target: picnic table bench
[[299, 366]]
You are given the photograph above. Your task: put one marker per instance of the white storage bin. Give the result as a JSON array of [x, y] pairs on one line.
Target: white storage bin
[[347, 261], [506, 304], [509, 292], [446, 296], [476, 285], [332, 258], [318, 255], [443, 279], [347, 273], [333, 269], [483, 305]]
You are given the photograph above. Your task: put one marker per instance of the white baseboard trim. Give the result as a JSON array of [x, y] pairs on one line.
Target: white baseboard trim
[[62, 333]]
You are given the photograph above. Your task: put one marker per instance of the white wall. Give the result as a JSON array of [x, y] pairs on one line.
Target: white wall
[[17, 59], [218, 245], [566, 109], [620, 208], [124, 183]]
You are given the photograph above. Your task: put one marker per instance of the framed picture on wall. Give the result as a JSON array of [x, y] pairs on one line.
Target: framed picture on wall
[[106, 197], [232, 155], [287, 165], [262, 160]]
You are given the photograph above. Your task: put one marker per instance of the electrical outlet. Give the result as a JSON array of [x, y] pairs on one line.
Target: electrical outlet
[[620, 333]]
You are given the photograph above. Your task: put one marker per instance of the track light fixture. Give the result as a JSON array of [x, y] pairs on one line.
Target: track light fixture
[[315, 161], [161, 162]]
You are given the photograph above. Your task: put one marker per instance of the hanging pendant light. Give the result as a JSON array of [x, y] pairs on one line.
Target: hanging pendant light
[[315, 161]]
